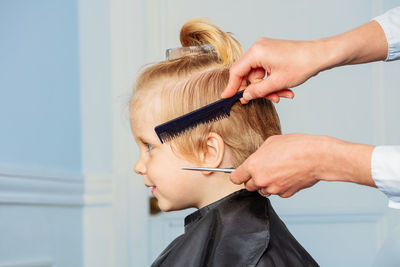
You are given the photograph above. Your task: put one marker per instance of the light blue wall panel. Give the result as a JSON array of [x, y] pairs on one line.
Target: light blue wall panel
[[39, 85], [35, 235]]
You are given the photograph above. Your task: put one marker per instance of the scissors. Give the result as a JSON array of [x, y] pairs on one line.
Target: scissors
[[225, 170]]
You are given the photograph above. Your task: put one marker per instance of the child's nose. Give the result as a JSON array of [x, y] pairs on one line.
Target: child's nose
[[140, 168]]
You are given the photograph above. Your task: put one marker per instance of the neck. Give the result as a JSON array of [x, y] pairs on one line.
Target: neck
[[218, 186]]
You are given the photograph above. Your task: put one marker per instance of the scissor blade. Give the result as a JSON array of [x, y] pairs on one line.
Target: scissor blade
[[226, 170]]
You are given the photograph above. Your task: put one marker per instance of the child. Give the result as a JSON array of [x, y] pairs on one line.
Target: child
[[232, 227]]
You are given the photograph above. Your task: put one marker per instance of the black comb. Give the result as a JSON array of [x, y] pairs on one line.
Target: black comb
[[212, 112]]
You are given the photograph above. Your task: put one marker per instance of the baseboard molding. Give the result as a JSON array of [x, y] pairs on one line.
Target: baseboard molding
[[30, 263], [40, 173], [35, 189]]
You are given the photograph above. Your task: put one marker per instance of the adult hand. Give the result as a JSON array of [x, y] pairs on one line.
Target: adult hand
[[285, 164], [291, 63], [287, 64]]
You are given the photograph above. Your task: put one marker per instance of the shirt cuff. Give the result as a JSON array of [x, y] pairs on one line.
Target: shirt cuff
[[394, 205], [390, 23], [385, 170]]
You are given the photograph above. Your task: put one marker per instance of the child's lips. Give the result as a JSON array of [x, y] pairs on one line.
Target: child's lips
[[152, 189]]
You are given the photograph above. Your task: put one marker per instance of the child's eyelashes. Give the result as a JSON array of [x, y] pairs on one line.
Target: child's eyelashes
[[145, 145], [148, 146]]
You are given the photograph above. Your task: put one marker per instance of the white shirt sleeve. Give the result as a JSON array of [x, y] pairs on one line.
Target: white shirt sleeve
[[390, 23], [385, 170]]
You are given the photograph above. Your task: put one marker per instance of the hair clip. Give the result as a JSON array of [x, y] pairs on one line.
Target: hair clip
[[174, 53]]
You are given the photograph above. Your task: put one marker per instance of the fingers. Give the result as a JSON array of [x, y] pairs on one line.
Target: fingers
[[268, 188], [268, 87], [275, 97], [287, 93], [250, 185], [261, 89], [264, 195], [256, 75], [235, 80], [237, 74], [242, 87], [240, 175], [244, 101]]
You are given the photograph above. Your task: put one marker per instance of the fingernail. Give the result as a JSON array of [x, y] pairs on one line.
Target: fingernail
[[246, 96]]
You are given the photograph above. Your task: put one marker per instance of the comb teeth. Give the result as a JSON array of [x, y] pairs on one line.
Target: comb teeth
[[171, 134], [211, 113]]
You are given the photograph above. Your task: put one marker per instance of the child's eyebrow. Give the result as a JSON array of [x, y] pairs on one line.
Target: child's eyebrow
[[143, 140]]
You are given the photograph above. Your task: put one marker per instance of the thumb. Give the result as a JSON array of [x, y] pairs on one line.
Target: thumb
[[240, 175], [261, 89], [237, 74], [233, 87]]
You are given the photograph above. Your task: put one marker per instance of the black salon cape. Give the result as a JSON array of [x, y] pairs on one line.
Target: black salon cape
[[241, 229]]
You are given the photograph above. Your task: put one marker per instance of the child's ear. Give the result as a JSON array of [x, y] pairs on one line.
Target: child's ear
[[214, 153]]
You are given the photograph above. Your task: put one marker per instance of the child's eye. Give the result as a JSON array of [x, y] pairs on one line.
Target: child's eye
[[149, 147]]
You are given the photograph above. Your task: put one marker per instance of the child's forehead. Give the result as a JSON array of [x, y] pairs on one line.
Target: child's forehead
[[149, 99], [147, 108], [146, 102], [144, 113]]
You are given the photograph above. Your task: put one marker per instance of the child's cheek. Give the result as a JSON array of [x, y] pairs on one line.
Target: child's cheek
[[158, 167], [152, 168]]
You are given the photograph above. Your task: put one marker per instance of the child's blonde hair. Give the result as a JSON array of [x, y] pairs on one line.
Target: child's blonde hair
[[190, 82]]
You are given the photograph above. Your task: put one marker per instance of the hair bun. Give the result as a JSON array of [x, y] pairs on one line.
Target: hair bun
[[200, 31]]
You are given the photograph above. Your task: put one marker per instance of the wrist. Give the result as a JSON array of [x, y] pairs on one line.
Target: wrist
[[333, 53], [320, 55], [346, 162], [366, 43]]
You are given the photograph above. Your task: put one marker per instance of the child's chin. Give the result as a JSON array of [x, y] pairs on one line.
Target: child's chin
[[166, 207]]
